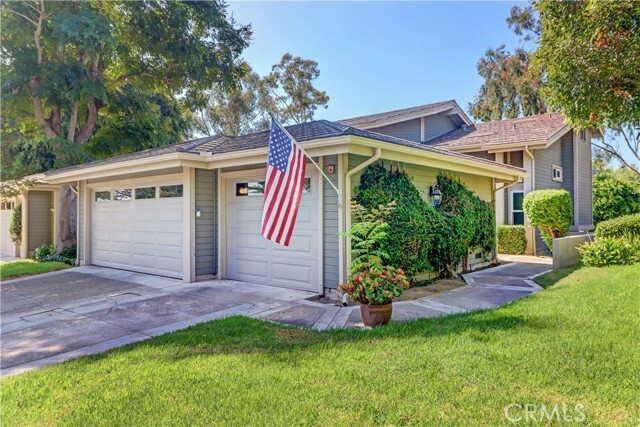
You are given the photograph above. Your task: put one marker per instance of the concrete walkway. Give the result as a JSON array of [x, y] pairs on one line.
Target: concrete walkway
[[54, 317]]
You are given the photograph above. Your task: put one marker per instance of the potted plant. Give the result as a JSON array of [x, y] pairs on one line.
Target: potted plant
[[373, 284], [375, 290]]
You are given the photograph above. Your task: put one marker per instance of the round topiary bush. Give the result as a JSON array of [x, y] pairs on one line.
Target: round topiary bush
[[551, 211], [624, 226], [408, 238], [613, 197], [512, 239]]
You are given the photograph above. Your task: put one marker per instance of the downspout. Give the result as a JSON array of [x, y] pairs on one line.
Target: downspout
[[347, 201], [533, 187], [495, 190]]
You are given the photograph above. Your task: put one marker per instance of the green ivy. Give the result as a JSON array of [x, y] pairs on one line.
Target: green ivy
[[15, 226], [421, 237]]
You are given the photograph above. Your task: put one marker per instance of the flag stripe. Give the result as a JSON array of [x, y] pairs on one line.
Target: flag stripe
[[286, 164]]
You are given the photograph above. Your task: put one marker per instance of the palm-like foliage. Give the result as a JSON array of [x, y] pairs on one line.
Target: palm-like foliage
[[368, 231]]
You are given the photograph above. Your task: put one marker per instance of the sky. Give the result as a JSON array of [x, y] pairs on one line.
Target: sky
[[380, 56]]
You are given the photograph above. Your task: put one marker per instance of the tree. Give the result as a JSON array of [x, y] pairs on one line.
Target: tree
[[509, 90], [613, 197], [66, 58], [288, 94], [234, 111], [590, 55]]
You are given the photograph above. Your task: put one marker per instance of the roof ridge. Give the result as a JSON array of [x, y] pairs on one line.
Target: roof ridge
[[398, 110]]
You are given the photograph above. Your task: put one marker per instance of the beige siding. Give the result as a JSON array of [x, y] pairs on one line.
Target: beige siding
[[40, 219], [206, 225], [409, 129], [330, 261], [424, 177]]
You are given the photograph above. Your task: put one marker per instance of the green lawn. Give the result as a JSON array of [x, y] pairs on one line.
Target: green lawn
[[577, 342], [27, 267]]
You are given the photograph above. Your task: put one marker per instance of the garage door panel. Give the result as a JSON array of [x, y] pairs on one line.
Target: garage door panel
[[140, 235], [252, 258]]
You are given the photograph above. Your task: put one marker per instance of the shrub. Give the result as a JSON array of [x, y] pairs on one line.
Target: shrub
[[613, 197], [466, 223], [15, 226], [44, 253], [618, 227], [408, 239], [367, 233], [512, 239], [551, 211], [610, 251]]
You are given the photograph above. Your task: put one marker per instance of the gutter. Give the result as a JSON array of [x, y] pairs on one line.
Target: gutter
[[346, 242]]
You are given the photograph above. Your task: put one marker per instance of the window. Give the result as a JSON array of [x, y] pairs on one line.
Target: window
[[122, 194], [146, 193], [170, 191], [256, 188], [7, 206], [517, 214], [556, 172], [582, 135], [103, 196]]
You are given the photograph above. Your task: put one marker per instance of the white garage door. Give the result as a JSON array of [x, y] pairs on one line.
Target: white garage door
[[252, 258], [7, 247], [138, 228]]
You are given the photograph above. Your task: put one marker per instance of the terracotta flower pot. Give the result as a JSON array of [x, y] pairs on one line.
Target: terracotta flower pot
[[374, 315]]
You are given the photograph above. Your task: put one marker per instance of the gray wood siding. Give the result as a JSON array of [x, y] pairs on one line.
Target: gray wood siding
[[516, 158], [409, 129], [82, 195], [566, 151], [545, 158], [40, 228], [206, 256], [330, 212], [585, 183], [483, 155], [437, 125]]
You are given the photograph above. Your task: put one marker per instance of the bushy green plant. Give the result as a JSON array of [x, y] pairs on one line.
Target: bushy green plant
[[551, 211], [15, 226], [618, 227], [611, 251], [613, 197], [375, 287], [466, 222], [408, 237], [512, 239], [368, 232], [44, 253]]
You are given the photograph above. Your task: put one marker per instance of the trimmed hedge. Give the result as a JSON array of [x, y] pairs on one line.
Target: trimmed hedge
[[613, 197], [512, 239], [628, 225], [551, 211]]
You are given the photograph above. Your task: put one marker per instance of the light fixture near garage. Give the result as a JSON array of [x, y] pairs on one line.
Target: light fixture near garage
[[435, 194]]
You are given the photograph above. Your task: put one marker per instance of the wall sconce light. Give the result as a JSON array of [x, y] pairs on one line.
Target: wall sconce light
[[198, 213], [331, 169], [435, 194]]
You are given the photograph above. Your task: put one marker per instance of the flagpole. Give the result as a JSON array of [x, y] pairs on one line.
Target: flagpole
[[308, 156]]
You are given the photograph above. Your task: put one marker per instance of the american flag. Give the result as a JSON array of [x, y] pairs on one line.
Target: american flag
[[286, 164]]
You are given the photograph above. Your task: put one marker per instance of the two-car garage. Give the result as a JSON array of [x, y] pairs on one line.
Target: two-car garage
[[139, 225]]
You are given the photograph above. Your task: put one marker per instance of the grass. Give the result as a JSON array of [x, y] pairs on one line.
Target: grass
[[27, 267], [554, 276], [574, 343]]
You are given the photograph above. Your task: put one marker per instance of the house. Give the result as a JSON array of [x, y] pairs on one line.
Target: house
[[553, 154], [45, 219], [192, 210]]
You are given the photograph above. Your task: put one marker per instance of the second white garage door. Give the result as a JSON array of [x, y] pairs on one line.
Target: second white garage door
[[252, 258], [138, 228]]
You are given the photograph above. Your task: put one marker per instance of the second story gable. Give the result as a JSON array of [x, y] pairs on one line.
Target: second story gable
[[418, 124]]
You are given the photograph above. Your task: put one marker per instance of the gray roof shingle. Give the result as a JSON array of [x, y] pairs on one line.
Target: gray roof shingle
[[319, 129], [372, 118]]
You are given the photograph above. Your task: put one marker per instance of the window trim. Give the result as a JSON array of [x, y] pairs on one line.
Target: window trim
[[512, 211], [555, 168]]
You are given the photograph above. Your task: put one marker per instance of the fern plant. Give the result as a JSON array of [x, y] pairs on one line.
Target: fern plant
[[367, 233]]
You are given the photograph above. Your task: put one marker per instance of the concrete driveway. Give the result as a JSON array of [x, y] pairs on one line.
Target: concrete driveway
[[57, 316]]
